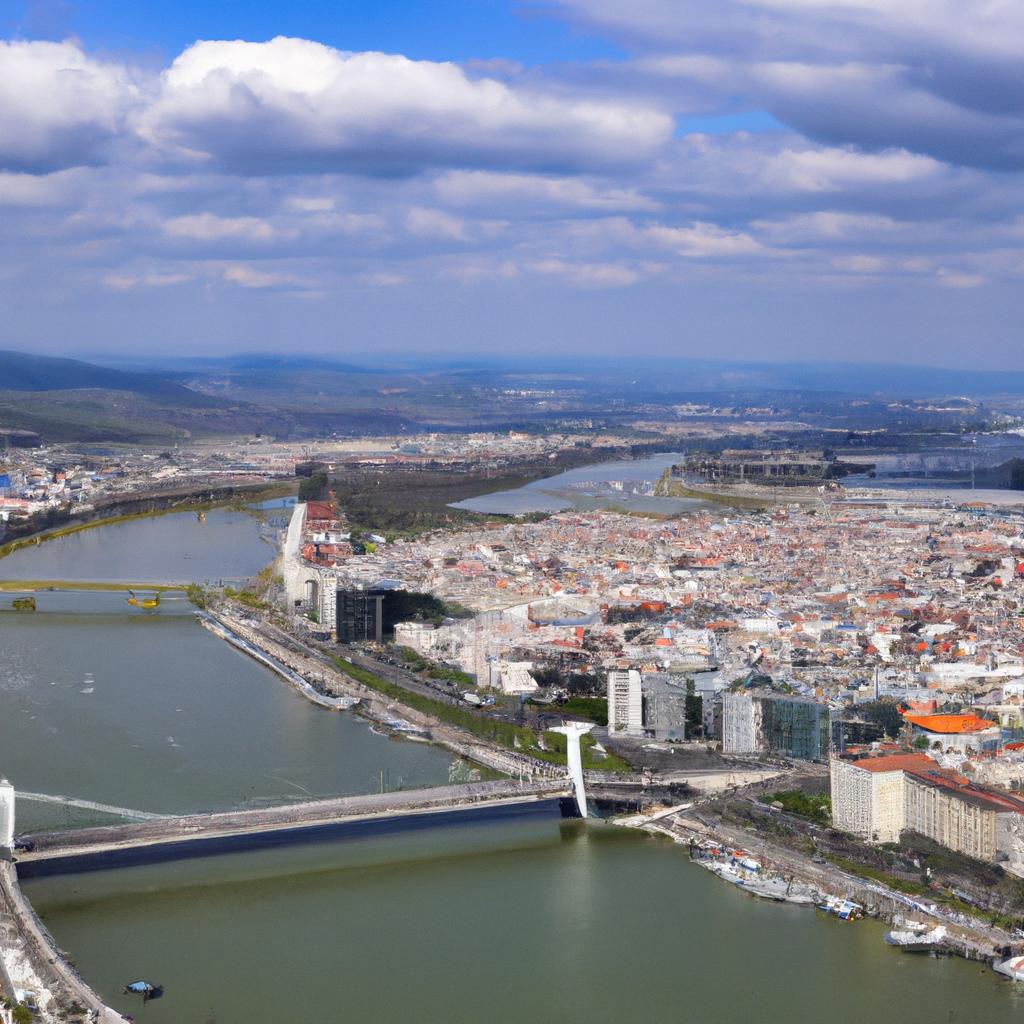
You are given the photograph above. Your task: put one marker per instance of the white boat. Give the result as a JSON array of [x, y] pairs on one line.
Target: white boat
[[844, 909], [918, 938], [1012, 968]]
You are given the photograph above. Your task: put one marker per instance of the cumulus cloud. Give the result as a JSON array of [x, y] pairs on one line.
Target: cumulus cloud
[[930, 76], [58, 107], [292, 105]]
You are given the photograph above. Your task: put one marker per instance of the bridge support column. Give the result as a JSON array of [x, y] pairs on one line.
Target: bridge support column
[[6, 815], [572, 731]]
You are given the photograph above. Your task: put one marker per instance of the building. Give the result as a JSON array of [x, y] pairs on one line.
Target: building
[[625, 703], [771, 468], [775, 724], [868, 798], [964, 733], [360, 616], [664, 705], [879, 798]]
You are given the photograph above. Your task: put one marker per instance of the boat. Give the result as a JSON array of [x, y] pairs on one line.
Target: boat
[[917, 937], [143, 602], [146, 989], [1012, 968], [844, 909]]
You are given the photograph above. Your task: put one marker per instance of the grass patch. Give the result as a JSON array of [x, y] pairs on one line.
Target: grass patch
[[505, 734], [817, 807], [594, 708]]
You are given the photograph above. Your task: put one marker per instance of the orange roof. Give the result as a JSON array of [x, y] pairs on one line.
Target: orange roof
[[950, 723], [896, 763]]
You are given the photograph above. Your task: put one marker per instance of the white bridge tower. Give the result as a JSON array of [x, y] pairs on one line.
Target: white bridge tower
[[572, 731], [6, 815]]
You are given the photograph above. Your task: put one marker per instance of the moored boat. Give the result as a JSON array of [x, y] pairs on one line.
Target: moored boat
[[1012, 968], [844, 909], [915, 937]]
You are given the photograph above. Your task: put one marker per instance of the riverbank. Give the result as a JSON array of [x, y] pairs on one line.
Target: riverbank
[[970, 939], [325, 675], [278, 660], [34, 964]]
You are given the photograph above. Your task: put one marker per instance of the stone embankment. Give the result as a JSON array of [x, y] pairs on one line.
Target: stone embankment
[[31, 962]]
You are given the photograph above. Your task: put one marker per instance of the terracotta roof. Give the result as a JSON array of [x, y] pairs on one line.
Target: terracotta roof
[[897, 763], [950, 724]]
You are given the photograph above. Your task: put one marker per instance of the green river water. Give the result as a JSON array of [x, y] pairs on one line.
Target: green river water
[[527, 920]]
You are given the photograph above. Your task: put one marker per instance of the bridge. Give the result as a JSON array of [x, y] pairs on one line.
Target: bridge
[[89, 805], [193, 835]]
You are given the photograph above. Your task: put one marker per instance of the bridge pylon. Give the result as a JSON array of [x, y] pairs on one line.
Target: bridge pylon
[[6, 815], [572, 731]]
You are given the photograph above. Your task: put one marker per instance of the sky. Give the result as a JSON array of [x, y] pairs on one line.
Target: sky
[[781, 180]]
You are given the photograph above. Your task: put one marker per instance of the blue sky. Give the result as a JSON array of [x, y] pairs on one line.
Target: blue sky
[[768, 179], [437, 30]]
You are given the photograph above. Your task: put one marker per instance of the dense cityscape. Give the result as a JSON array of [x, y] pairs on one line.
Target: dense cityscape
[[511, 511]]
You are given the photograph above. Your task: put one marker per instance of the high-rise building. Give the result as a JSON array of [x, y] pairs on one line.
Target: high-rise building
[[625, 703], [359, 616]]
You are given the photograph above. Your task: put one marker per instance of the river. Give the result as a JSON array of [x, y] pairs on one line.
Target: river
[[178, 547], [612, 485], [532, 921], [527, 919]]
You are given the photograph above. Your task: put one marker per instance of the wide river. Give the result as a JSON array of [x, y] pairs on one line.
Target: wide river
[[531, 919]]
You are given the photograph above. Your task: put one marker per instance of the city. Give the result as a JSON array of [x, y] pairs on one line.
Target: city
[[511, 510]]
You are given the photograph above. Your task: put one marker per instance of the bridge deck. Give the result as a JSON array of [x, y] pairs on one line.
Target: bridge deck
[[82, 844]]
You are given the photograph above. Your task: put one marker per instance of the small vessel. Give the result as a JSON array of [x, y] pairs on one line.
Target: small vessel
[[1012, 968], [917, 937], [143, 602], [144, 988], [844, 909]]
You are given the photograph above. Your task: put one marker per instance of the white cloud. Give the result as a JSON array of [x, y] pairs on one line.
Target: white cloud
[[702, 240], [832, 169], [129, 282], [519, 191], [58, 107], [209, 227], [250, 277], [588, 275], [292, 104], [436, 224]]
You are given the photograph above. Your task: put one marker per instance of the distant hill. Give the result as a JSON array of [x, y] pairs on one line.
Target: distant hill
[[20, 371]]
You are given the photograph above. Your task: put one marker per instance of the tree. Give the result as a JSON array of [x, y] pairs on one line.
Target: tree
[[312, 488], [885, 713], [694, 711]]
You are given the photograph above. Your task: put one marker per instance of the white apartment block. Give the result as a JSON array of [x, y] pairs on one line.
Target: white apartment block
[[625, 703], [740, 723], [868, 798]]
